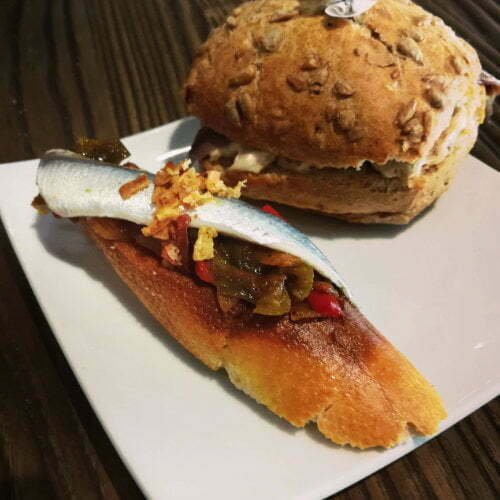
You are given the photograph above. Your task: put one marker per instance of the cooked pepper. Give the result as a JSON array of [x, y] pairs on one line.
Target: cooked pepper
[[108, 151], [278, 259], [300, 281], [243, 255], [326, 304], [272, 211], [232, 281], [274, 299], [204, 271], [244, 271]]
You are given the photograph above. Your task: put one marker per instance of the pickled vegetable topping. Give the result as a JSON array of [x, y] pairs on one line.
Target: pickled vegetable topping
[[247, 277], [108, 151], [40, 206], [204, 270], [325, 304], [274, 299], [300, 281], [273, 282]]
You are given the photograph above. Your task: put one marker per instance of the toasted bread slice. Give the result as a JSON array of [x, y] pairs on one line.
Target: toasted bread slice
[[341, 374]]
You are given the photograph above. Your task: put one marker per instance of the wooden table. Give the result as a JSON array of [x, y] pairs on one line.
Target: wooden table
[[108, 68]]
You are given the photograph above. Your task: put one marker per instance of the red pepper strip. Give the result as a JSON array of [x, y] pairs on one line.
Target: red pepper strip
[[272, 211], [204, 271], [325, 304]]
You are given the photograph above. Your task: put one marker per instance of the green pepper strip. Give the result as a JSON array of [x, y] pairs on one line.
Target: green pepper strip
[[238, 273]]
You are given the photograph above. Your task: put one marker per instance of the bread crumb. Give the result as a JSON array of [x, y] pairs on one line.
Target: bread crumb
[[179, 188], [204, 246], [133, 187]]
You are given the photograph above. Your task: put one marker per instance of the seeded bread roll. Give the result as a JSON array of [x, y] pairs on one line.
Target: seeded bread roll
[[341, 374], [394, 87]]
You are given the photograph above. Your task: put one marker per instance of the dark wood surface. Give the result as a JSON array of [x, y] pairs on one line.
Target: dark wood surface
[[108, 68]]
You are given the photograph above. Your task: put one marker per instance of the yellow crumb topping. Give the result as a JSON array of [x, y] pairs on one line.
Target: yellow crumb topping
[[168, 213], [204, 246], [179, 188], [217, 187]]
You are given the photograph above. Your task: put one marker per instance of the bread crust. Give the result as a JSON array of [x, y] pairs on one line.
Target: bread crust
[[343, 375], [333, 92]]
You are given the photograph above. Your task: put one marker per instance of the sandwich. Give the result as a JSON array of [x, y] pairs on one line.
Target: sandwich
[[244, 291], [362, 118]]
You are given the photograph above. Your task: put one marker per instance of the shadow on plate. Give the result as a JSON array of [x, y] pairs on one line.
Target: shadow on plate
[[183, 134], [80, 252], [326, 227], [179, 143]]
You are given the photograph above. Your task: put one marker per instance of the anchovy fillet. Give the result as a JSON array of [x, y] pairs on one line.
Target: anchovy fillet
[[75, 187]]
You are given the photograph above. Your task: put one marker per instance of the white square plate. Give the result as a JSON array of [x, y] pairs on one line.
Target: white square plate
[[432, 288]]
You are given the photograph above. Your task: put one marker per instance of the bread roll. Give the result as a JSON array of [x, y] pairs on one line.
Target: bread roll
[[394, 88]]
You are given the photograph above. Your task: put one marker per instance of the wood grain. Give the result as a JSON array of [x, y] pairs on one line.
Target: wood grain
[[110, 68]]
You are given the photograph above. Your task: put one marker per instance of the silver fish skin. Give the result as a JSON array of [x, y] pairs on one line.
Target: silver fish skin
[[73, 186]]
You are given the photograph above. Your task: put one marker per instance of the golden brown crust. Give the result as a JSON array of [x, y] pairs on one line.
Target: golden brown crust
[[333, 92], [363, 196], [341, 374]]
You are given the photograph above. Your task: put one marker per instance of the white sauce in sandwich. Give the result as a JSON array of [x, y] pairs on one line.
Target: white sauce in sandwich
[[395, 168], [245, 159], [252, 161]]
